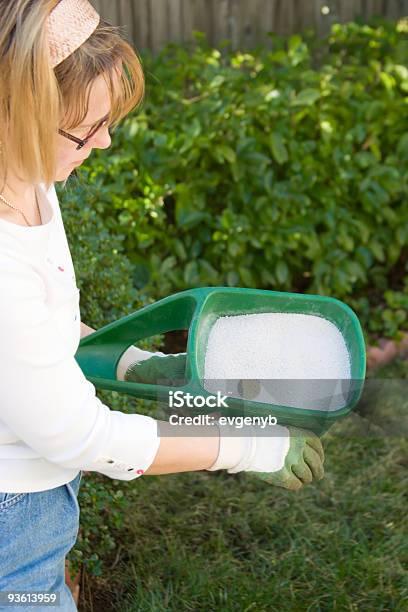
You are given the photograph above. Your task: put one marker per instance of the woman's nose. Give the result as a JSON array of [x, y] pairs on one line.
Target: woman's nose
[[102, 139]]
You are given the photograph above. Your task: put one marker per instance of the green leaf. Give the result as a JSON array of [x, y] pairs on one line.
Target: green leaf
[[402, 147], [268, 182], [237, 171], [346, 241], [377, 250], [306, 97], [278, 148], [234, 248], [294, 42], [402, 235], [246, 276], [232, 278], [267, 277], [365, 256], [191, 273], [282, 272], [187, 215], [180, 250], [209, 270], [393, 253], [217, 81], [223, 152], [355, 269], [168, 264]]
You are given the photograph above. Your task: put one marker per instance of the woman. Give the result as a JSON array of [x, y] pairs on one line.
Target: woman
[[66, 77]]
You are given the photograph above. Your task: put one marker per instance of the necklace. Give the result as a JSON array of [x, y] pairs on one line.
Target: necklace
[[20, 211]]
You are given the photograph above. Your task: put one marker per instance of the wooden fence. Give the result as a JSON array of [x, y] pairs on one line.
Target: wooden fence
[[152, 23]]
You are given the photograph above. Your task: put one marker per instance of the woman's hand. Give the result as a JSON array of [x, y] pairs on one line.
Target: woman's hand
[[140, 366], [290, 458]]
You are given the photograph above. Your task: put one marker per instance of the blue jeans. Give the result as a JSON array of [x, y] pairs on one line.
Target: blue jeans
[[37, 530]]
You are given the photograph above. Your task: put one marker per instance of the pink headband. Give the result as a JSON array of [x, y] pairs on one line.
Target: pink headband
[[69, 24]]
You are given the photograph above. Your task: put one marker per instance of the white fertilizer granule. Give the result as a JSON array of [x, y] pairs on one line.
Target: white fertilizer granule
[[294, 360]]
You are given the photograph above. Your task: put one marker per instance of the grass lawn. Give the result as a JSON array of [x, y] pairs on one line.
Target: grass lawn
[[214, 541]]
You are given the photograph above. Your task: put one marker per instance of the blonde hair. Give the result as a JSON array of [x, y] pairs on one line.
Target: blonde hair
[[36, 100]]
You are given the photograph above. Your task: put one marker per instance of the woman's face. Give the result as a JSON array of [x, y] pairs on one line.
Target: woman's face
[[68, 157]]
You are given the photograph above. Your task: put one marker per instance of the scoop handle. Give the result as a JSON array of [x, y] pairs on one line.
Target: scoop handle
[[98, 353]]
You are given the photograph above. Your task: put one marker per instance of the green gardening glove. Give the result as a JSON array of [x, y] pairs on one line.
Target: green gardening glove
[[303, 462], [146, 367], [290, 457]]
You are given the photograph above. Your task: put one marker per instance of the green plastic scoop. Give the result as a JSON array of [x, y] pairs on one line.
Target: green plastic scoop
[[196, 310]]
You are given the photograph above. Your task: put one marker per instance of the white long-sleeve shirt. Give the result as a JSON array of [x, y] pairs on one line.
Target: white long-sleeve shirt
[[51, 423]]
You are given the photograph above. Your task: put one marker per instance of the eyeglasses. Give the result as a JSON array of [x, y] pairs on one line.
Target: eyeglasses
[[82, 142]]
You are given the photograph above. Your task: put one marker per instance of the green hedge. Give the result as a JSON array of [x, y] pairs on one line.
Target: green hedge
[[281, 169]]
